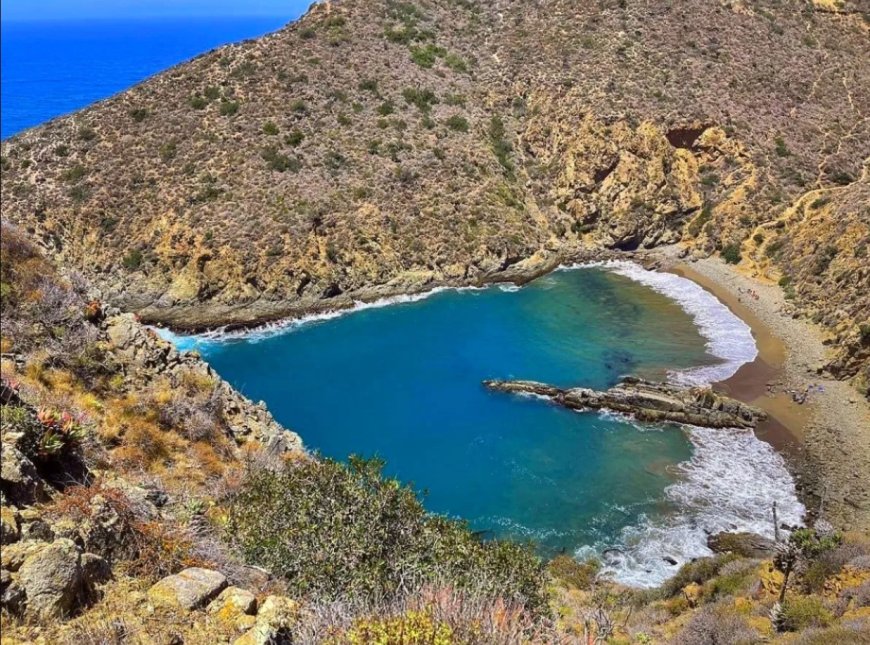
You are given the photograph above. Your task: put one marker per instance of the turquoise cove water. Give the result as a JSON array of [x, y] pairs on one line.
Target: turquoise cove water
[[403, 382]]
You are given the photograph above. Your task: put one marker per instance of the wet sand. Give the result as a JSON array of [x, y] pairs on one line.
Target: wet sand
[[826, 440]]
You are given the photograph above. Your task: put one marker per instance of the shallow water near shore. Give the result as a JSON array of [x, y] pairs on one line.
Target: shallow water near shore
[[404, 382]]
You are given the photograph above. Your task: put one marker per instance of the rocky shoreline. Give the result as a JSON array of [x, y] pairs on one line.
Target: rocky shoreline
[[204, 317], [646, 401]]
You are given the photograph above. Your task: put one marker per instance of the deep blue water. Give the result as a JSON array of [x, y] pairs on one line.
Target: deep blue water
[[404, 382], [52, 68]]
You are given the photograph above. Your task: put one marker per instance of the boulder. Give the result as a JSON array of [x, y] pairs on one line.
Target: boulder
[[275, 619], [747, 545], [12, 556], [234, 600], [19, 479], [190, 589], [52, 579], [11, 593], [10, 531]]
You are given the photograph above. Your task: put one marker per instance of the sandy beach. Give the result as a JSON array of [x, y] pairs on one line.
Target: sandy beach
[[826, 439]]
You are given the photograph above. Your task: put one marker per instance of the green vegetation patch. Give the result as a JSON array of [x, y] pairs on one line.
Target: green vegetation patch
[[336, 531]]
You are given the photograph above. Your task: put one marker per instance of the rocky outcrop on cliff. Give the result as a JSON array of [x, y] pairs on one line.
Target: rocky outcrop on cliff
[[646, 401], [145, 357]]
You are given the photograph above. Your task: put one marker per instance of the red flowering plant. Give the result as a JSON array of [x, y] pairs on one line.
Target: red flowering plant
[[61, 432]]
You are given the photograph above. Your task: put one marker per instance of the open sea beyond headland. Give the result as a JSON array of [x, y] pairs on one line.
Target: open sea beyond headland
[[48, 69]]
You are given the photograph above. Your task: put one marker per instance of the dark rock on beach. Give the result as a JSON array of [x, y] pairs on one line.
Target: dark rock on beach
[[647, 401]]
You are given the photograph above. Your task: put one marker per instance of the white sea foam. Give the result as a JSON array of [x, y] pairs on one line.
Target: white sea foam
[[267, 330], [729, 484], [728, 337]]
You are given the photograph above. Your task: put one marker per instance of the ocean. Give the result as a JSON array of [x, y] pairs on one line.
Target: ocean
[[48, 69], [401, 380]]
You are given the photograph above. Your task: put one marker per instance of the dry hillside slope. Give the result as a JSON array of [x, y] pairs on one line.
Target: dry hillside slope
[[386, 146]]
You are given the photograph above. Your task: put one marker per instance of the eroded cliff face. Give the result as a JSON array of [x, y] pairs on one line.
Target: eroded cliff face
[[375, 148]]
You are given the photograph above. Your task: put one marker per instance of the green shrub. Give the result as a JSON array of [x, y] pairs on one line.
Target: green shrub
[[334, 160], [333, 531], [79, 192], [368, 85], [572, 573], [87, 133], [697, 224], [781, 149], [139, 114], [842, 178], [710, 179], [500, 146], [294, 138], [62, 150], [422, 98], [800, 612], [133, 260], [229, 108], [277, 161], [167, 151], [699, 572], [458, 123], [270, 128], [75, 173], [784, 281], [731, 253], [426, 55], [198, 102], [456, 63], [212, 92], [386, 108]]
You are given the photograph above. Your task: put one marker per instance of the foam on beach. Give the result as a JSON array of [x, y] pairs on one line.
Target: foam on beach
[[729, 484], [728, 337]]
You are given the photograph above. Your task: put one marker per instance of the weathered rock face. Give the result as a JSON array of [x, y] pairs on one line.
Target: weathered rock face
[[51, 580], [19, 480], [748, 545], [647, 401], [190, 589], [666, 135], [145, 356], [274, 621]]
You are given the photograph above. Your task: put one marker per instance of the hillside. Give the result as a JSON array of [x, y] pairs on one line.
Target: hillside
[[146, 501], [388, 146]]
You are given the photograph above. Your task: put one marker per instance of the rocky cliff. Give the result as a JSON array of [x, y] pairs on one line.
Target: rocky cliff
[[382, 147]]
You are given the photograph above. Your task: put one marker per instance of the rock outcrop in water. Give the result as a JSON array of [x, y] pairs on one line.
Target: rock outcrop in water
[[646, 401]]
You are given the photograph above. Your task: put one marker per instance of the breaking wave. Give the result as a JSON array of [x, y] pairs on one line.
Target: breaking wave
[[729, 484], [728, 337]]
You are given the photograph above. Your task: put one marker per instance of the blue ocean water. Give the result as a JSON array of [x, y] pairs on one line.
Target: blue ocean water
[[51, 68], [403, 382]]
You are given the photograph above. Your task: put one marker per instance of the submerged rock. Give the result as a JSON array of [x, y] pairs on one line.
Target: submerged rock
[[748, 545], [647, 401]]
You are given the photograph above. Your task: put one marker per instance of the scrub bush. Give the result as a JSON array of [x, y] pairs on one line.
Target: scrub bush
[[346, 531], [731, 254]]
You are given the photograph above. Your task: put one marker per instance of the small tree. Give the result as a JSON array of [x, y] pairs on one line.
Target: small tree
[[803, 546]]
